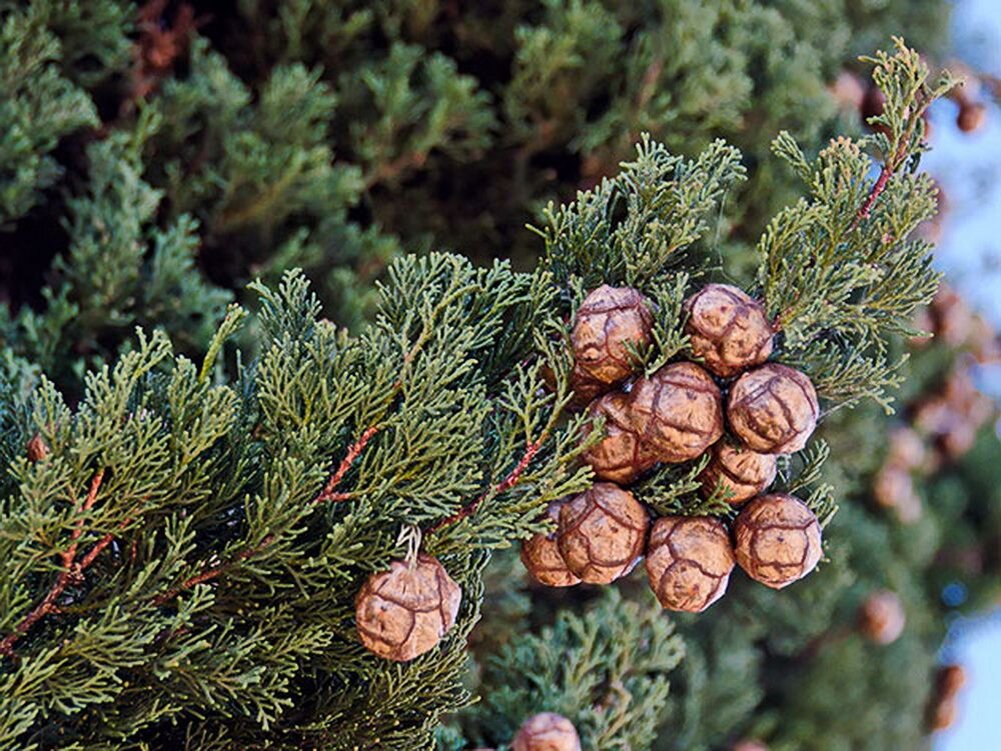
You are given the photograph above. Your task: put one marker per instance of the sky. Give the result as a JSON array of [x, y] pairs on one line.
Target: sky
[[968, 167]]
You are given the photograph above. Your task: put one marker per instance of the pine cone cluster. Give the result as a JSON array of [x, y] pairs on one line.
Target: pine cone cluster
[[676, 415], [941, 426]]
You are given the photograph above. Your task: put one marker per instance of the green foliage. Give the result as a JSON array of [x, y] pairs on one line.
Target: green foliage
[[605, 671], [121, 271]]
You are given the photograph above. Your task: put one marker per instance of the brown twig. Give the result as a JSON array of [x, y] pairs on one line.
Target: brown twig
[[352, 454], [327, 494], [889, 168], [507, 483], [72, 571], [212, 573]]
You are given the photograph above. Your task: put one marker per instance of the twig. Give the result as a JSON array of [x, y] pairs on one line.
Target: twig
[[72, 571], [507, 483], [353, 452], [327, 494], [212, 573]]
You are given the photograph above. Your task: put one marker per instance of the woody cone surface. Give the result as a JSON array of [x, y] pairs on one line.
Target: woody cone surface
[[728, 329], [405, 611], [547, 731], [741, 472], [542, 558], [689, 560], [678, 412], [602, 533], [773, 409], [608, 322], [777, 540], [620, 456]]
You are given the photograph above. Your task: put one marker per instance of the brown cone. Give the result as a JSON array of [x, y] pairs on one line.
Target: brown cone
[[405, 611], [37, 449], [608, 322], [547, 731], [881, 617], [678, 412], [688, 561], [602, 533], [542, 558], [777, 540], [949, 680], [740, 471], [971, 117], [729, 330], [620, 456], [773, 409]]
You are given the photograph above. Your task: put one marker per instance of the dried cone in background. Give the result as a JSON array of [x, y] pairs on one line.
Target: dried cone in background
[[971, 116], [37, 449], [773, 409], [777, 539], [541, 556], [943, 714], [602, 533], [405, 611], [678, 412], [893, 488], [848, 90], [740, 471], [547, 731], [748, 745], [907, 450], [881, 617], [729, 329], [688, 561], [607, 324], [949, 680], [620, 456]]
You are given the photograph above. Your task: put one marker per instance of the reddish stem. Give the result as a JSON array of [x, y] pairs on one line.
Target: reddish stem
[[327, 494], [72, 571], [507, 483], [353, 452]]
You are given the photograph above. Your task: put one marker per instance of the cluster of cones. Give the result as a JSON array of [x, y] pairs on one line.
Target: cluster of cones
[[940, 426], [676, 415]]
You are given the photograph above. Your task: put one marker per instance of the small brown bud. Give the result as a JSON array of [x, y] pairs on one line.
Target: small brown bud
[[740, 471], [729, 329], [773, 409], [678, 412], [688, 561], [602, 533], [542, 558], [621, 455], [608, 322], [777, 540], [37, 448], [405, 611], [971, 116], [881, 617], [547, 731]]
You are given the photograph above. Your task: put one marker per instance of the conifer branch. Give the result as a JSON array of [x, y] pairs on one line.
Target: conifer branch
[[71, 572], [213, 572], [509, 481]]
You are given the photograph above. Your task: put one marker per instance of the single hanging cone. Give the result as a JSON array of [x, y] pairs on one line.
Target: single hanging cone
[[405, 611]]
